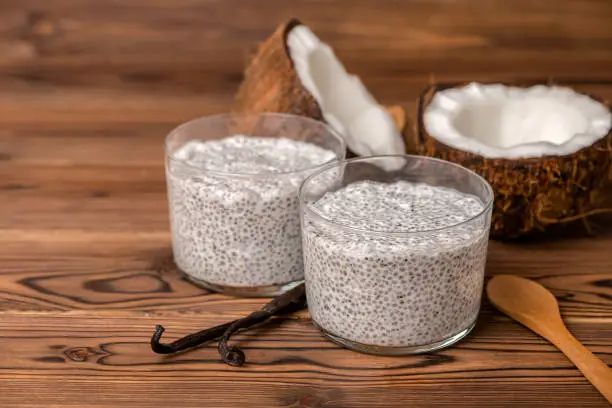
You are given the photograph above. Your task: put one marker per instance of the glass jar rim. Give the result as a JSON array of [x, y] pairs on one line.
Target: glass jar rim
[[311, 211], [220, 116]]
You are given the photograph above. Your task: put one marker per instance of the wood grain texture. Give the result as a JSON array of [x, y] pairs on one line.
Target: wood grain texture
[[88, 91], [286, 359]]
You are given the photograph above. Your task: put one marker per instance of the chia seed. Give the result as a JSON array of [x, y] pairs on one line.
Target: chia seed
[[234, 208], [371, 284]]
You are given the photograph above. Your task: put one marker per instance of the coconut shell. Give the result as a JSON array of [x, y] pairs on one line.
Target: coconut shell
[[531, 194], [270, 82]]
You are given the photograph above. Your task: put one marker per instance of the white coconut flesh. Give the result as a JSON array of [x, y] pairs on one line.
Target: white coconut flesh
[[497, 121], [345, 103]]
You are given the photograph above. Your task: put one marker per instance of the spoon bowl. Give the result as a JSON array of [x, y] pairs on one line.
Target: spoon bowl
[[525, 301]]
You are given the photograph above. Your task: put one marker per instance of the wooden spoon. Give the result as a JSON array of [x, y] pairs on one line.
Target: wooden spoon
[[534, 306]]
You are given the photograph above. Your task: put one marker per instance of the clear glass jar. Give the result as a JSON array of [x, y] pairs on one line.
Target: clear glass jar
[[238, 232], [403, 272]]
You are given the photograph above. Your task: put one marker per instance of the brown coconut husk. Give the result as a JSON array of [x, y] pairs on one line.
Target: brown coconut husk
[[531, 194], [270, 82]]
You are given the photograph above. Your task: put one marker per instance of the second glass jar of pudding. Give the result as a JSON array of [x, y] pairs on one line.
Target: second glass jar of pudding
[[394, 252], [232, 190]]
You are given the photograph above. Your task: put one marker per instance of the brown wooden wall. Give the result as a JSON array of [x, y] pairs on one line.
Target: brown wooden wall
[[115, 59]]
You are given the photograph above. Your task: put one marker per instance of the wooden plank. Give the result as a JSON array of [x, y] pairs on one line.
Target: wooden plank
[[111, 145], [74, 45], [62, 107], [75, 269], [47, 357]]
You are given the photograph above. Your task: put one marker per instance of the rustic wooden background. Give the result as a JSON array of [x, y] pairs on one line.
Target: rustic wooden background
[[88, 90]]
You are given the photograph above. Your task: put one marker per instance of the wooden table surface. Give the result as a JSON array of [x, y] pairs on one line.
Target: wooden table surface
[[89, 89]]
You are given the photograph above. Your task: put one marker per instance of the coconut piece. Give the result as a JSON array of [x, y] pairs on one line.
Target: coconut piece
[[545, 149], [405, 126], [294, 72], [271, 84]]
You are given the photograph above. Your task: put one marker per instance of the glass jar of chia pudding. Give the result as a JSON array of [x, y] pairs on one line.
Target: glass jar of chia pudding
[[394, 252], [232, 183]]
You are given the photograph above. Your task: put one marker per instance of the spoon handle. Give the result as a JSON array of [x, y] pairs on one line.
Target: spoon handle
[[595, 370]]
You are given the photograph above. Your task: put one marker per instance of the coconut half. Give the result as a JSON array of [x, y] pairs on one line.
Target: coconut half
[[545, 149], [294, 72]]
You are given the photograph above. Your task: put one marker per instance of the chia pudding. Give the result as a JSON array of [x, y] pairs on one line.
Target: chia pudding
[[235, 218], [394, 264]]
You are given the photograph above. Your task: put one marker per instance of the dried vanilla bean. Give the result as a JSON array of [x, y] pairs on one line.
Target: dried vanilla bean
[[291, 301]]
